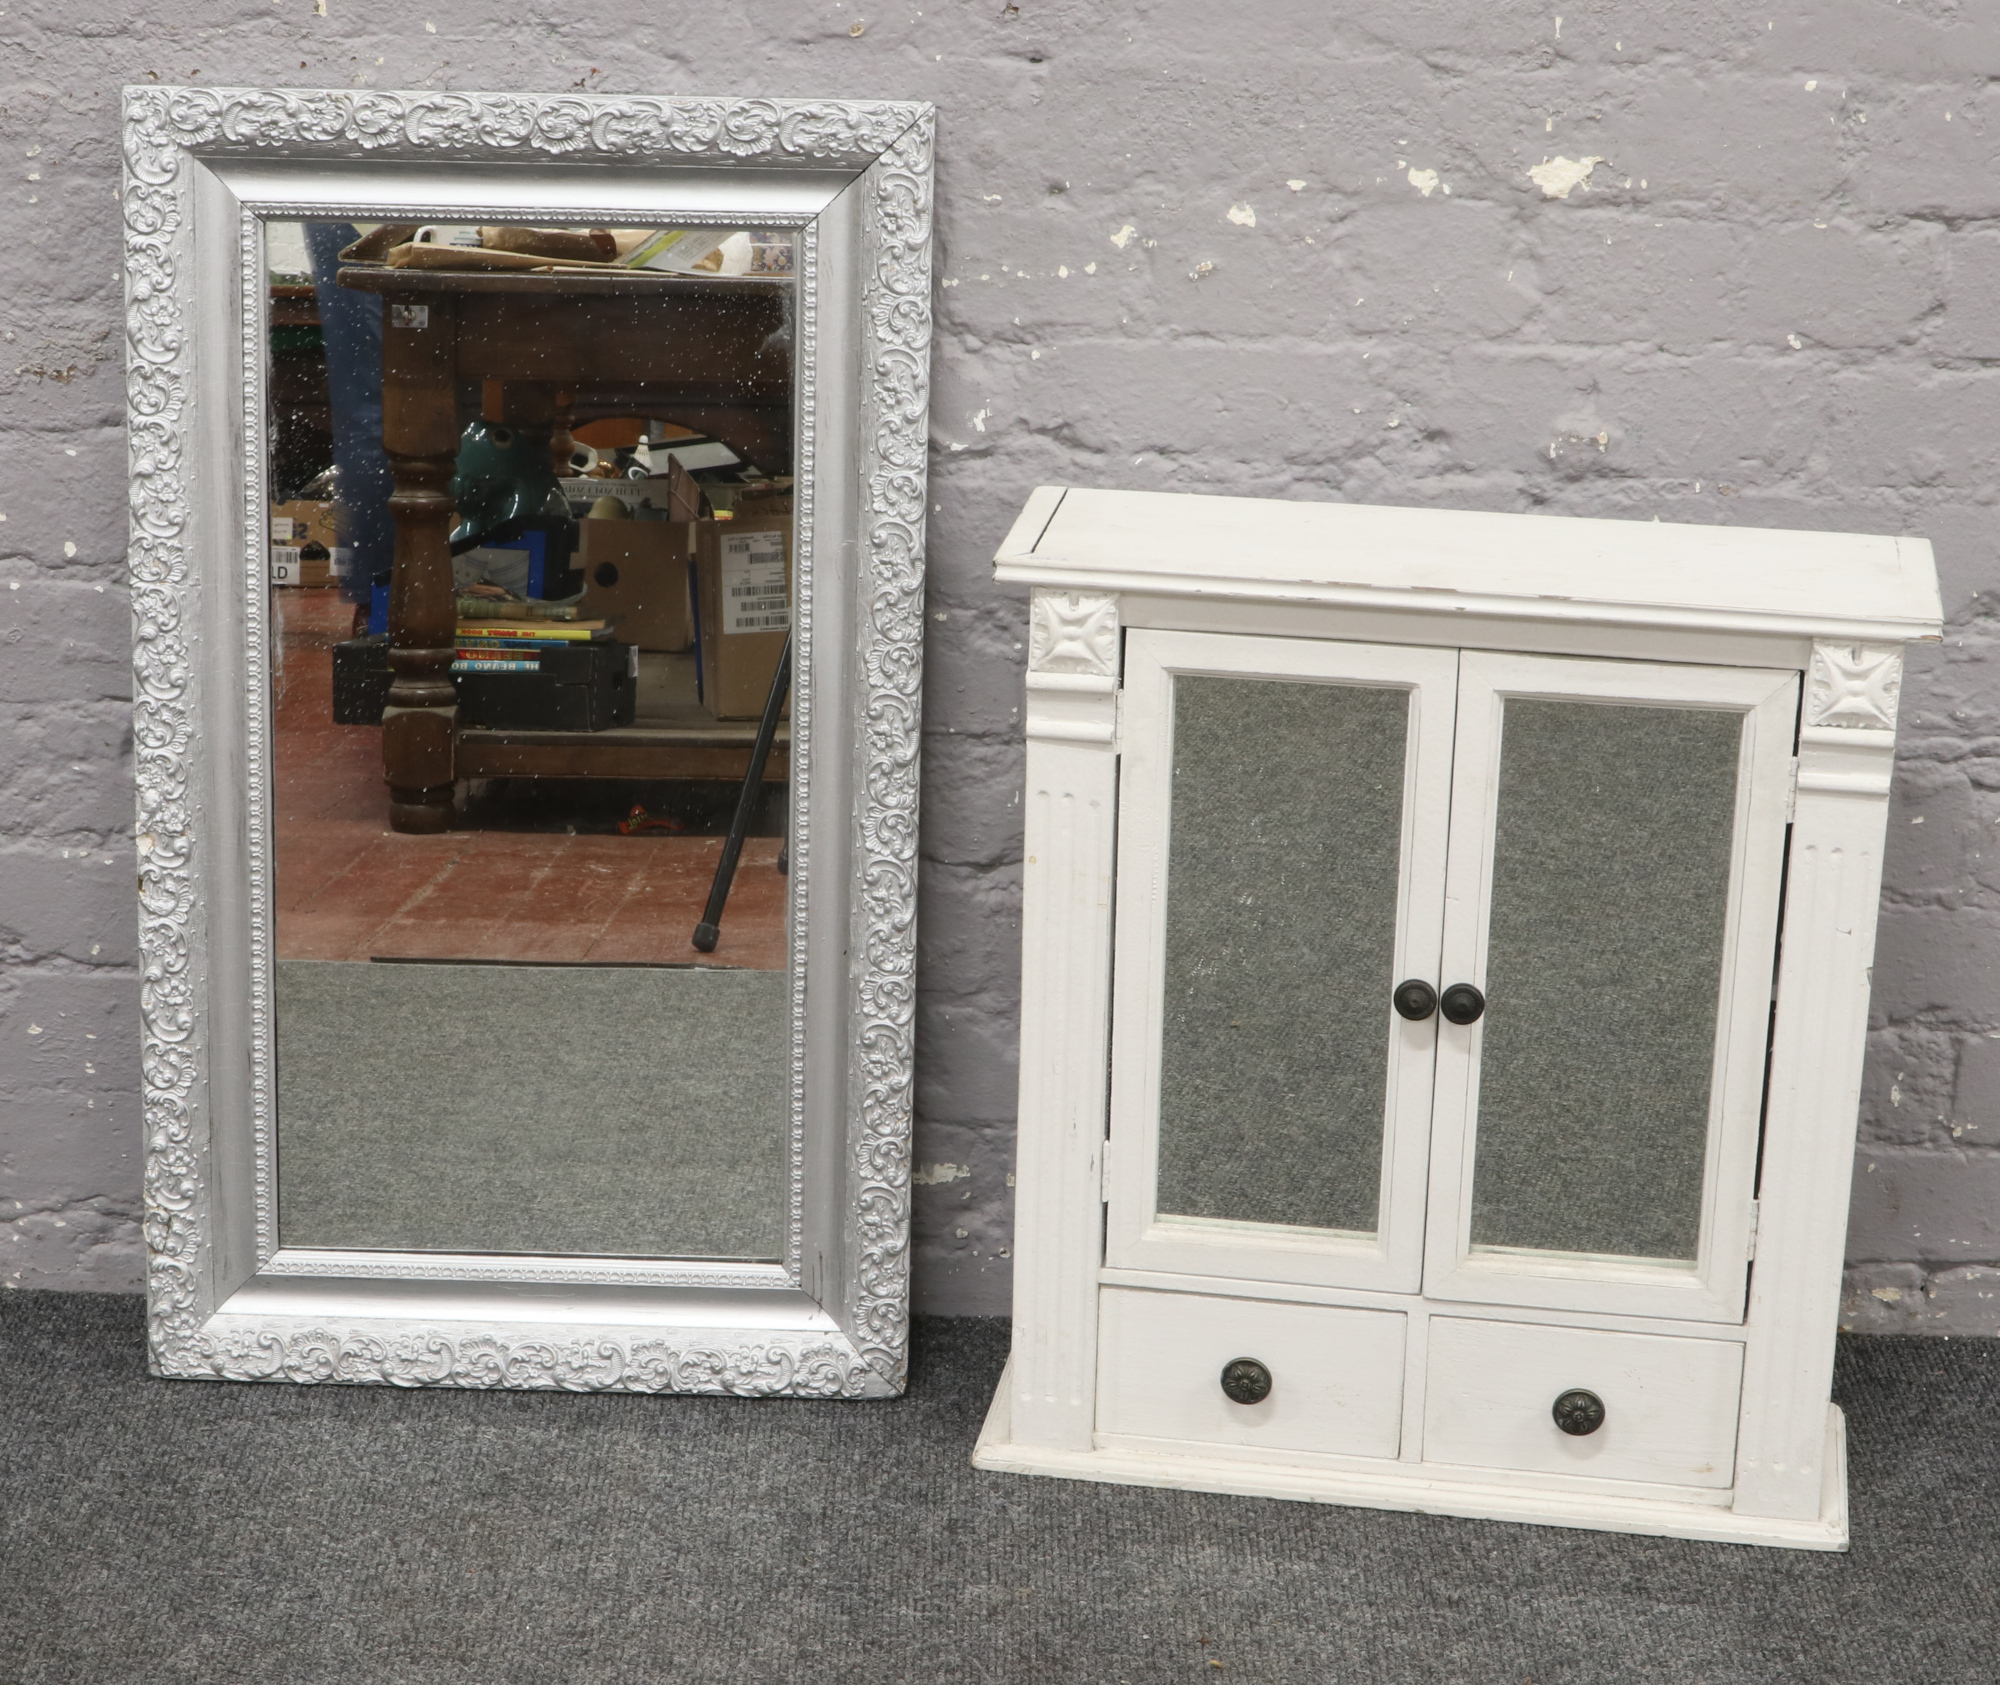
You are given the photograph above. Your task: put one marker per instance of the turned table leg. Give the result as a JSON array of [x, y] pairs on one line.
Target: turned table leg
[[420, 434]]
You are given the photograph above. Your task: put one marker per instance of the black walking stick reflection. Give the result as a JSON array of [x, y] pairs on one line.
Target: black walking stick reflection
[[709, 931]]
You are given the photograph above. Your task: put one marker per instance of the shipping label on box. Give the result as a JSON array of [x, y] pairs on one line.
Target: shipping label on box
[[754, 594], [291, 566], [745, 617]]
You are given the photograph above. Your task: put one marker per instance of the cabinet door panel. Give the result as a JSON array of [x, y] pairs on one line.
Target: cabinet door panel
[[1603, 960], [1617, 846], [1284, 844], [1281, 822]]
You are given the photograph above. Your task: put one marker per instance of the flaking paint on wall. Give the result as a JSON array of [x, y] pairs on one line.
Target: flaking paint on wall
[[1559, 177]]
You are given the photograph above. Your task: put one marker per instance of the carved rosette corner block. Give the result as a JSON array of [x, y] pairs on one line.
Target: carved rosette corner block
[[1074, 632], [1854, 687]]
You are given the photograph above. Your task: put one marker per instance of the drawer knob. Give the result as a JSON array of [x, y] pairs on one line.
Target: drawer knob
[[1579, 1412], [1462, 1003], [1416, 1000], [1245, 1381]]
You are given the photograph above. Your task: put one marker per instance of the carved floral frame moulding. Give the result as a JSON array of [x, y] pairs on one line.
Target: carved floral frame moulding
[[891, 142]]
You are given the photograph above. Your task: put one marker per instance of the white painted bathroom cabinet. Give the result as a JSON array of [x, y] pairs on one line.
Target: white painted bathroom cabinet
[[1446, 945]]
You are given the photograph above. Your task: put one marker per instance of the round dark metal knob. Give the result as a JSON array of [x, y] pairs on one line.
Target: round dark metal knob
[[1462, 1003], [1579, 1412], [1245, 1381], [1416, 1000]]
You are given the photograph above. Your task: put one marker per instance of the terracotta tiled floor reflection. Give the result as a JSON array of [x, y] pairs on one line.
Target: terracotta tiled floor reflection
[[348, 888]]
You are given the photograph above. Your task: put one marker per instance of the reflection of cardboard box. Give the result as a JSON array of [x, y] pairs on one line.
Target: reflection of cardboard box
[[635, 576], [754, 502], [744, 569], [749, 500], [302, 523], [288, 567], [294, 526]]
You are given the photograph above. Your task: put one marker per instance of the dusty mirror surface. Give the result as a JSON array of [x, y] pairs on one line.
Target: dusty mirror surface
[[496, 1028]]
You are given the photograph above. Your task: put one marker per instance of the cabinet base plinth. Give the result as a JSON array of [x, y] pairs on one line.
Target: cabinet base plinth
[[1413, 1486]]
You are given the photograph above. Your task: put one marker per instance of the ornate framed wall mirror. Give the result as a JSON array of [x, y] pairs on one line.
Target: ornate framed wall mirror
[[527, 536]]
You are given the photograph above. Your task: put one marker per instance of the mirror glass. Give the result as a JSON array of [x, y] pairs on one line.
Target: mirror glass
[[506, 1034], [1611, 870], [1285, 846]]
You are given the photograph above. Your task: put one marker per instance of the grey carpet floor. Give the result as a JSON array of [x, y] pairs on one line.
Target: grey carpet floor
[[162, 1532], [634, 1111]]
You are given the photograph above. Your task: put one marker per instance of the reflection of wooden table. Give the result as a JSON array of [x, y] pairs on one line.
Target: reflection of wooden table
[[710, 353], [671, 736]]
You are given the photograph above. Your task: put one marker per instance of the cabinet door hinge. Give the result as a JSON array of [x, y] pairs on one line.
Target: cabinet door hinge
[[1792, 791], [1104, 1171], [1750, 1245]]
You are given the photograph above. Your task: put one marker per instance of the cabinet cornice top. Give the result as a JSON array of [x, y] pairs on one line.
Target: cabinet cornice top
[[1448, 561]]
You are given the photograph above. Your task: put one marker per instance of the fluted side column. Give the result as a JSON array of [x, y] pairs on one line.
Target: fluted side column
[[1067, 879], [1833, 885]]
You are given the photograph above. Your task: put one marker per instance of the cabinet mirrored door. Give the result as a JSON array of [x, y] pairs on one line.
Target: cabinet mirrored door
[[1283, 812], [1617, 847]]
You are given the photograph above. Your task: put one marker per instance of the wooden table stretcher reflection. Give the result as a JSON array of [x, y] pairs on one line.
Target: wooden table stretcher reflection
[[347, 888]]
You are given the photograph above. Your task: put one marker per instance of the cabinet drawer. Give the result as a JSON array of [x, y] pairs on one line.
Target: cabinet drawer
[[1669, 1404], [1336, 1374]]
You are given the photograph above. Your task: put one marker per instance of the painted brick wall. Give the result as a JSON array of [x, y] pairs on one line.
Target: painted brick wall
[[1291, 250]]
